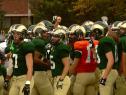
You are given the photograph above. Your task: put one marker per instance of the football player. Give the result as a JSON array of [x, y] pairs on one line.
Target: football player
[[87, 25], [84, 64], [47, 24], [22, 55], [60, 62], [97, 32], [57, 20], [46, 35], [108, 65], [42, 84], [72, 37], [121, 81], [30, 34]]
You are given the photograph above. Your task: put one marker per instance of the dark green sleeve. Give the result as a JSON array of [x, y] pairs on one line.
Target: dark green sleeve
[[28, 47], [106, 47], [2, 57], [64, 51], [123, 43], [64, 54], [39, 45], [3, 70], [77, 53]]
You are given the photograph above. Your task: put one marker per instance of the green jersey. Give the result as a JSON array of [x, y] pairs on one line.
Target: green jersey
[[19, 52], [2, 70], [40, 47], [107, 44], [59, 51], [123, 43], [122, 46]]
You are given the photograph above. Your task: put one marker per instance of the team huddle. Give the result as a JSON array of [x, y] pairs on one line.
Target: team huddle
[[51, 59]]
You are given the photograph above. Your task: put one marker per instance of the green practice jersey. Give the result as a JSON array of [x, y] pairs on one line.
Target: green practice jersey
[[19, 52], [59, 51], [2, 70], [123, 43], [40, 47], [107, 44], [122, 46]]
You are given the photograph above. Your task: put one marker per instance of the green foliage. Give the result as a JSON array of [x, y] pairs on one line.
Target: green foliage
[[46, 9], [95, 9], [77, 11]]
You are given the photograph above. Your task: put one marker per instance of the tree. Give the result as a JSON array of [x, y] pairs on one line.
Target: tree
[[119, 10], [46, 9], [95, 9], [77, 11]]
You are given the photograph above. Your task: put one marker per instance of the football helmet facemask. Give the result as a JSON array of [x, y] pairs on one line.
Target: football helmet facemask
[[19, 32], [98, 30], [58, 35]]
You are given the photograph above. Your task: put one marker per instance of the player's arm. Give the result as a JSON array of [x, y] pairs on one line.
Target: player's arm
[[64, 55], [123, 62], [29, 63], [123, 57], [76, 61], [74, 65], [66, 64], [110, 58], [39, 59], [28, 51]]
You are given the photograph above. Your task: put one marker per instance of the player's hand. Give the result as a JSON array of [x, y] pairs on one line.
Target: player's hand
[[6, 84], [8, 55], [59, 84], [26, 89], [102, 81]]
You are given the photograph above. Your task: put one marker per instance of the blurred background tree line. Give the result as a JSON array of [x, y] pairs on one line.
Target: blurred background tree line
[[77, 11]]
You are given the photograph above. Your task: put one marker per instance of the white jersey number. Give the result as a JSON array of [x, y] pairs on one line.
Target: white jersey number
[[15, 56], [52, 62]]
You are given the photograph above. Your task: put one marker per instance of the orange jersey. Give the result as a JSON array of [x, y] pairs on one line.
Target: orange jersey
[[87, 61]]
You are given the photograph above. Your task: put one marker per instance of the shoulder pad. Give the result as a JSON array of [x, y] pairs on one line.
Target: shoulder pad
[[64, 47], [28, 47], [38, 42], [107, 40], [96, 42], [80, 44]]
